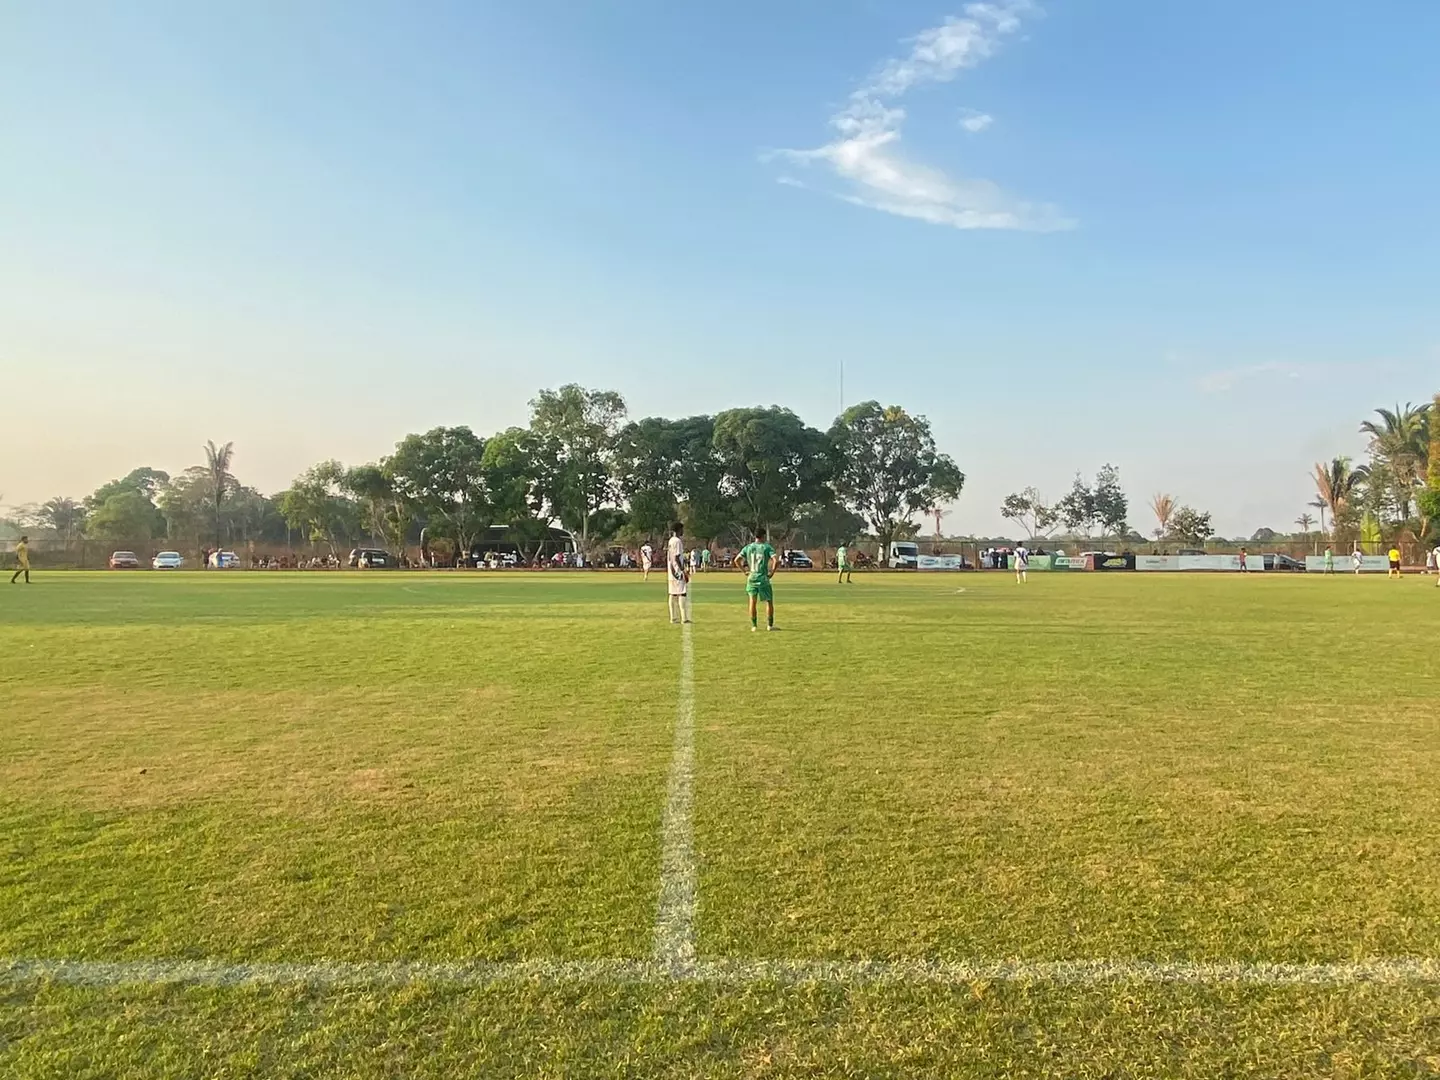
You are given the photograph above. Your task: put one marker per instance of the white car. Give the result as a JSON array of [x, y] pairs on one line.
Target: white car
[[167, 560], [224, 560]]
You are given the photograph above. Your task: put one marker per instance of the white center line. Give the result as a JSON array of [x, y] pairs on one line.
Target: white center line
[[674, 947]]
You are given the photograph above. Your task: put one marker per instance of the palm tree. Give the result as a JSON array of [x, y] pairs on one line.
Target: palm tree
[[221, 481], [1335, 484], [1400, 445], [65, 516], [1305, 520], [1321, 505], [1163, 507]]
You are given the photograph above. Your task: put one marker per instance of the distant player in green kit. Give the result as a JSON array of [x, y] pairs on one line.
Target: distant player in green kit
[[760, 561], [842, 559]]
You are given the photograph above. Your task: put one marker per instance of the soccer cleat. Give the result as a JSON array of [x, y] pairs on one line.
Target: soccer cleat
[[753, 629]]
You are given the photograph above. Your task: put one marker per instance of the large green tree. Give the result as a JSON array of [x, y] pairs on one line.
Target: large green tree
[[512, 477], [669, 469], [825, 525], [574, 432], [146, 482], [771, 464], [317, 505], [887, 468], [441, 474], [386, 514], [1112, 507], [1191, 526], [1078, 509], [126, 517]]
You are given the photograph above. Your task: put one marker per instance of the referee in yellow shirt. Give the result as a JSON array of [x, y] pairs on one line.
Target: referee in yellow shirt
[[22, 560]]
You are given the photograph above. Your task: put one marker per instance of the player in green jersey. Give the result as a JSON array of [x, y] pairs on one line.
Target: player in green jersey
[[760, 561], [842, 559]]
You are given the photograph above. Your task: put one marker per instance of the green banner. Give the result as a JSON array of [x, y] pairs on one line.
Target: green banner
[[1037, 562]]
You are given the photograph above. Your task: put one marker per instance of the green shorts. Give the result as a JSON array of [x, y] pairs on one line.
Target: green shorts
[[761, 590]]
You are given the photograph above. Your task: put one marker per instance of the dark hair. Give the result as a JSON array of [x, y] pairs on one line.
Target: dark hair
[[678, 529], [760, 533], [24, 539]]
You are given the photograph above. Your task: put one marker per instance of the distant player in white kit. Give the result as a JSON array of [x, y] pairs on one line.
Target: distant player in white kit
[[1022, 564], [1357, 558], [647, 556], [679, 576]]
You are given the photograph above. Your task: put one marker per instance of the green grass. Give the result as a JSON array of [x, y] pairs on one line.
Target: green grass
[[313, 767]]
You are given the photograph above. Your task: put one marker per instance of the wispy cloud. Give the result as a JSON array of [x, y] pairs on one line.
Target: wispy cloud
[[1269, 372], [975, 122], [866, 153]]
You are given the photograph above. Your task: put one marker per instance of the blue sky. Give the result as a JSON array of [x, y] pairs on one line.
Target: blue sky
[[1199, 241]]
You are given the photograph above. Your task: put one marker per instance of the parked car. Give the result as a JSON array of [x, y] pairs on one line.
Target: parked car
[[167, 560], [224, 560], [124, 560], [1283, 562], [797, 560], [370, 558]]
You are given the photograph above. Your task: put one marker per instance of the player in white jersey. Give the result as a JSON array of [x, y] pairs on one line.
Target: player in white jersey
[[647, 556], [1357, 559], [678, 575], [1022, 564]]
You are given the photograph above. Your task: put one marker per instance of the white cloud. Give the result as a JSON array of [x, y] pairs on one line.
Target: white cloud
[[975, 122], [1225, 380], [867, 153]]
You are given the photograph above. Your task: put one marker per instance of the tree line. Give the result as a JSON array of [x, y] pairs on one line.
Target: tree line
[[1391, 497], [580, 462]]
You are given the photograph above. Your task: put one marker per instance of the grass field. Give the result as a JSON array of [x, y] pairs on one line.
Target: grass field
[[386, 825]]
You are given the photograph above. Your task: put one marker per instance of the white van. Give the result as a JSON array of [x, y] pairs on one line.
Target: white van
[[904, 555]]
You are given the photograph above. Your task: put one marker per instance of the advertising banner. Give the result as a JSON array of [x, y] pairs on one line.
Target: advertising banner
[[1253, 563], [1071, 562], [1344, 564], [1037, 562], [1157, 562], [939, 562], [1114, 562]]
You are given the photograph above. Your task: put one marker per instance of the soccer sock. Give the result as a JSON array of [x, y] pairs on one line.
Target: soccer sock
[[754, 619], [674, 609], [685, 606]]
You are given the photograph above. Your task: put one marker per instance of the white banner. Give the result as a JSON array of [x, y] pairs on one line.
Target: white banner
[[1369, 564], [939, 562], [1157, 562], [1198, 562]]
